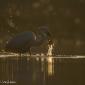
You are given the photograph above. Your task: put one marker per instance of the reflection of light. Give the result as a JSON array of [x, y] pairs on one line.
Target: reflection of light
[[50, 66], [37, 55], [28, 59], [50, 59], [3, 55], [42, 59], [50, 62], [37, 58], [42, 64], [42, 54]]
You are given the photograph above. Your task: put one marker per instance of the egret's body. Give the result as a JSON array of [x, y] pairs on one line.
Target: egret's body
[[22, 42]]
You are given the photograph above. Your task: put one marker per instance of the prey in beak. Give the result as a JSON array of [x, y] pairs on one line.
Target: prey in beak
[[50, 42]]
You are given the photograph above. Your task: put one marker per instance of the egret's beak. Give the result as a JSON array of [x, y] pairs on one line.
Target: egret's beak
[[50, 42]]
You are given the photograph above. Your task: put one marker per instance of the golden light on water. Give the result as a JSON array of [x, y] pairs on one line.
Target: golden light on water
[[37, 58], [50, 66]]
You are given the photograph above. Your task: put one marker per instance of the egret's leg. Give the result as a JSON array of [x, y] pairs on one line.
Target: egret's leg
[[30, 51]]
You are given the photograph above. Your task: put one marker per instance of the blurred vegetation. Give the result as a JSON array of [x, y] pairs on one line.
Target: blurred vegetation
[[65, 19]]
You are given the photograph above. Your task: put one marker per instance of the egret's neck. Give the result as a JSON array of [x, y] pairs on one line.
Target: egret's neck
[[40, 40]]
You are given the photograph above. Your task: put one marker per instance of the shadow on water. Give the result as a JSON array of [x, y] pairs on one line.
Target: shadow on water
[[42, 71]]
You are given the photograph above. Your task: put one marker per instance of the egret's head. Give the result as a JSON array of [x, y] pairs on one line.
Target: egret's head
[[44, 31]]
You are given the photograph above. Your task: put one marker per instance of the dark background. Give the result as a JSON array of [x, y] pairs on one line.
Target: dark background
[[65, 19]]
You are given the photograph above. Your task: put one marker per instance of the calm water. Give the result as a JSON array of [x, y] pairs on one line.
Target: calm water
[[42, 70]]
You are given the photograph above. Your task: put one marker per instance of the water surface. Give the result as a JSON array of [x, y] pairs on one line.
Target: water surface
[[42, 70]]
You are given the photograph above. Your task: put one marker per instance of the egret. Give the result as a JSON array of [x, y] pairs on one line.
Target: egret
[[22, 42]]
